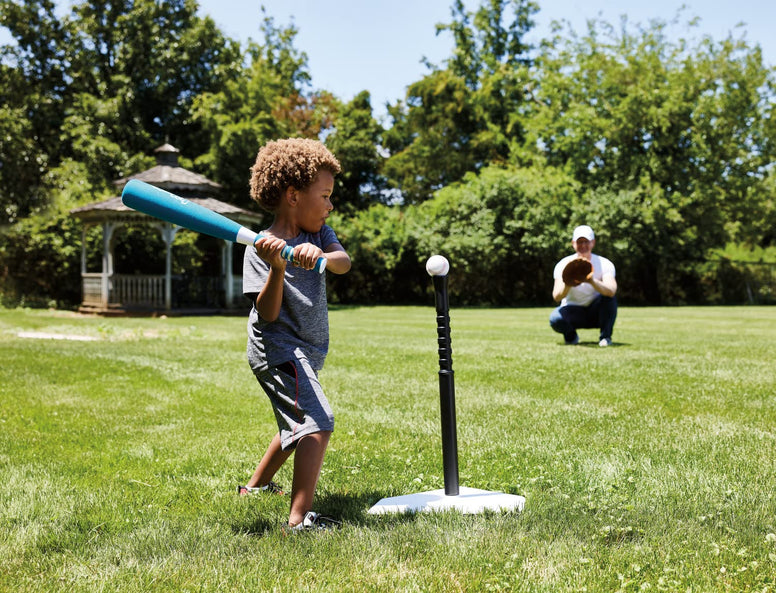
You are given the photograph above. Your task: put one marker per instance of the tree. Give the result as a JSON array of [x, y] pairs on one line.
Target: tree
[[138, 67], [464, 116], [87, 96], [21, 165], [355, 140], [33, 86], [107, 82], [671, 136], [269, 100]]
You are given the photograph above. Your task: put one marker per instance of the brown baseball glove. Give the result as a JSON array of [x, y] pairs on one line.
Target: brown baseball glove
[[577, 271]]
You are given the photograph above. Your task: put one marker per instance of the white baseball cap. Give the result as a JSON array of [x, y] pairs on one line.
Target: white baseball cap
[[583, 231]]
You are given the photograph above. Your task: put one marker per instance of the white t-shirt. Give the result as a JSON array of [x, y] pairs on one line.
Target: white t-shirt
[[584, 294]]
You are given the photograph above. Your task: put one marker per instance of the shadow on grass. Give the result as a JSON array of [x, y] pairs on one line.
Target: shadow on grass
[[257, 527], [596, 346], [348, 508]]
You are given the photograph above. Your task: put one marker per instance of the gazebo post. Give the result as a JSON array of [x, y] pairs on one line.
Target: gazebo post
[[227, 276], [168, 236], [83, 252], [107, 262]]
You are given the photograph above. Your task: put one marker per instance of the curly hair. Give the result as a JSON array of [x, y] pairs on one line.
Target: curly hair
[[293, 162]]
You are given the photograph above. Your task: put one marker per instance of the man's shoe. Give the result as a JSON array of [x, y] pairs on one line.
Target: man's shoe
[[605, 342], [573, 341]]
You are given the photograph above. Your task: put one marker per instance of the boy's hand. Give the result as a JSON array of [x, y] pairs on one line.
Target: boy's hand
[[269, 249], [306, 255]]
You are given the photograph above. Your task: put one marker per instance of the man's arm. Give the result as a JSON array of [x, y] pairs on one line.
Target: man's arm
[[607, 285], [559, 290]]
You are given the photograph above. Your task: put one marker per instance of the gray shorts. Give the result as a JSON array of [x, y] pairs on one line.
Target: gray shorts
[[300, 406]]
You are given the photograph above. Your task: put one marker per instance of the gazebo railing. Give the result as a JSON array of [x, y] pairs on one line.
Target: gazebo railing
[[147, 291], [92, 289]]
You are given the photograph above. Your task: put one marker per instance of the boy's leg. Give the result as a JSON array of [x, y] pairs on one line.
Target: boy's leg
[[308, 461], [270, 463]]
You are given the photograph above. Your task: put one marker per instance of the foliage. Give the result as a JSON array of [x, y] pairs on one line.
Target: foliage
[[741, 274], [40, 262], [355, 140], [499, 229], [672, 141], [21, 164], [385, 265], [463, 117], [661, 141], [31, 81]]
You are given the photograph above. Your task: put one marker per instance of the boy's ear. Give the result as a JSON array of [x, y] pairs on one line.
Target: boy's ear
[[290, 195]]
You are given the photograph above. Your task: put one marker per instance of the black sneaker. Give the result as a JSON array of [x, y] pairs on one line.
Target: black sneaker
[[270, 488], [314, 522]]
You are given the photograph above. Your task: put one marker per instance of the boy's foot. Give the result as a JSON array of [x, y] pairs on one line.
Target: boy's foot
[[573, 341], [270, 488], [313, 522], [605, 342]]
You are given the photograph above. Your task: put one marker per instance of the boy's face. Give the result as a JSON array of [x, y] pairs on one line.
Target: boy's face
[[314, 202]]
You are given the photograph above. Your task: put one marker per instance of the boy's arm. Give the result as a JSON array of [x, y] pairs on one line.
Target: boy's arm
[[271, 296], [337, 259]]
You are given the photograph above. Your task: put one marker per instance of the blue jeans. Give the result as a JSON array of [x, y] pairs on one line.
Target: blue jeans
[[601, 313]]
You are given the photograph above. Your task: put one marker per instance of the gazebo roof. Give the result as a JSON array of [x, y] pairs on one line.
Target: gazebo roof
[[170, 176], [114, 209]]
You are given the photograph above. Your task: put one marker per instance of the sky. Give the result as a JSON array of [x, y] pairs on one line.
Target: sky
[[378, 45]]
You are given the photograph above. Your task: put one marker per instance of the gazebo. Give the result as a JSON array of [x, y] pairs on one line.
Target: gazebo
[[108, 292]]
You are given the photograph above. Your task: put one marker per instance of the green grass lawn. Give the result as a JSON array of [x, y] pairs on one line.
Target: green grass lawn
[[646, 466]]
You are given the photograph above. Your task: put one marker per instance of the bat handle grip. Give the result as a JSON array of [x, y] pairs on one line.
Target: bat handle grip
[[287, 253]]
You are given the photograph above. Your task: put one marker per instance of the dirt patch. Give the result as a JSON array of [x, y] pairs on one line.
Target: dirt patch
[[51, 336]]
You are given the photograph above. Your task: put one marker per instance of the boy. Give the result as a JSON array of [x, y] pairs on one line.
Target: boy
[[288, 328]]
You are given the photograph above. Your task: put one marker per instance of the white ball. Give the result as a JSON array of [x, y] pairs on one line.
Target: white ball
[[437, 265]]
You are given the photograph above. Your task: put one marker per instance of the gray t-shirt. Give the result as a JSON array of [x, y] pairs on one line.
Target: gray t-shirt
[[302, 327]]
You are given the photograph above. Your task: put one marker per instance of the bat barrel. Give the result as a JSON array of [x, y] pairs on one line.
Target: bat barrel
[[164, 205]]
